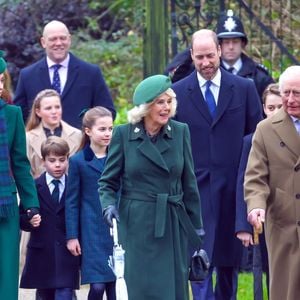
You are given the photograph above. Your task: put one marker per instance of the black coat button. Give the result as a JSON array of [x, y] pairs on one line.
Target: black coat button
[[297, 196], [297, 168], [282, 144], [298, 223]]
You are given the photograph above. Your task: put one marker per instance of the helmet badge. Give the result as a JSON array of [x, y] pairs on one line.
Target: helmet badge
[[230, 23]]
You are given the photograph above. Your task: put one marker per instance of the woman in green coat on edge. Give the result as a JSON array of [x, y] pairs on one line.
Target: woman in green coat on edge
[[150, 168], [14, 175]]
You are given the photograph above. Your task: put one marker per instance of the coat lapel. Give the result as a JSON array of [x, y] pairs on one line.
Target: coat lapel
[[44, 193], [61, 204], [44, 74], [37, 141], [91, 160], [147, 148], [197, 98], [284, 127], [73, 70], [225, 95]]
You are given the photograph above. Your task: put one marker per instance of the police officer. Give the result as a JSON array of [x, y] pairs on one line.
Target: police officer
[[233, 40]]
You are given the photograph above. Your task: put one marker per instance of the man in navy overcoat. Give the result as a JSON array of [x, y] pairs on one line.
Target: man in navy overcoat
[[217, 139], [81, 84]]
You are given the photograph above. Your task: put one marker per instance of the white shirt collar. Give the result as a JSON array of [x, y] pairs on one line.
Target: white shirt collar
[[237, 65], [216, 80], [64, 63], [49, 179]]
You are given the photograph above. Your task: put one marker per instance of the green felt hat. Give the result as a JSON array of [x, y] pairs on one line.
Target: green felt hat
[[2, 62], [151, 87]]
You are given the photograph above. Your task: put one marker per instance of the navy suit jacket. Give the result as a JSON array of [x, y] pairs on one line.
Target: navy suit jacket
[[49, 264], [216, 148], [85, 88]]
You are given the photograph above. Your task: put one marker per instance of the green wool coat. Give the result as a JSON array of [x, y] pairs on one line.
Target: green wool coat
[[159, 207], [23, 182]]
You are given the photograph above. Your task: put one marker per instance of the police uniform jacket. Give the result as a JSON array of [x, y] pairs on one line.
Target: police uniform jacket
[[256, 72]]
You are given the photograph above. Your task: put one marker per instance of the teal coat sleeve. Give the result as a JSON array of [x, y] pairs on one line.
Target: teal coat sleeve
[[20, 165], [189, 183]]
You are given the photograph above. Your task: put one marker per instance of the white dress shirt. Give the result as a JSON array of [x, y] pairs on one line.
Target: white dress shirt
[[215, 85], [51, 186]]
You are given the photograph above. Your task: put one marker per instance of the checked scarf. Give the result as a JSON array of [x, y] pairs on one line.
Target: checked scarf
[[6, 197]]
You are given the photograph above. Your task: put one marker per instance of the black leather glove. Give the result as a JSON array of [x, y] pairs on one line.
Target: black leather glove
[[31, 212], [109, 213]]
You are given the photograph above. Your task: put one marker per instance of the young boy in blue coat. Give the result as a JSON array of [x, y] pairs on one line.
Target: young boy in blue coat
[[50, 267]]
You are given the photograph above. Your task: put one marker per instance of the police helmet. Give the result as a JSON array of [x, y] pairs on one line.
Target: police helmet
[[230, 26]]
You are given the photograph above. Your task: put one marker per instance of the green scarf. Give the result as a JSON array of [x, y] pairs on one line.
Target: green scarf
[[6, 197]]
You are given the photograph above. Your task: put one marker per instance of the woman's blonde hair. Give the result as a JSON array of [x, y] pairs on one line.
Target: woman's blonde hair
[[137, 113], [34, 120]]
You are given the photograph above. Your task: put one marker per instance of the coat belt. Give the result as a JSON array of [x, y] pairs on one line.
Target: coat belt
[[177, 205]]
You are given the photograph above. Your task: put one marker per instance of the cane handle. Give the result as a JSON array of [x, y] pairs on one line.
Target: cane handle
[[257, 232]]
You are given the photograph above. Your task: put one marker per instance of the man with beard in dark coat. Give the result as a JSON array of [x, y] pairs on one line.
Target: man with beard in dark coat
[[233, 40]]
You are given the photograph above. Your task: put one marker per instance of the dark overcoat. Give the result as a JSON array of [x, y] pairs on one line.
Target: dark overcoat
[[241, 223], [216, 147], [21, 180], [159, 207], [49, 264], [85, 88], [84, 219]]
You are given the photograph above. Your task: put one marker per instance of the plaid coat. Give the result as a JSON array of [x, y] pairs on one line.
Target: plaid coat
[[84, 217], [23, 182]]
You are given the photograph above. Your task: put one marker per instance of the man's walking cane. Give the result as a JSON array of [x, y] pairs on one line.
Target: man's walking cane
[[257, 265]]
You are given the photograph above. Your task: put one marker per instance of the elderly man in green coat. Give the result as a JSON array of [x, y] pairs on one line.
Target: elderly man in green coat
[[150, 164], [14, 176]]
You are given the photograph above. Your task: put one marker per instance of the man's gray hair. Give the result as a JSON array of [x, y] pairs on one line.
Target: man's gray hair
[[288, 73]]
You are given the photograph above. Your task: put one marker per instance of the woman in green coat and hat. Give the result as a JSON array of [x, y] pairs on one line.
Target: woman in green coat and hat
[[14, 176], [150, 169]]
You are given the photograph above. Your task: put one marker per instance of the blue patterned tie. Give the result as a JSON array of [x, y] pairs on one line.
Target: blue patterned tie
[[210, 100], [55, 193], [56, 79]]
